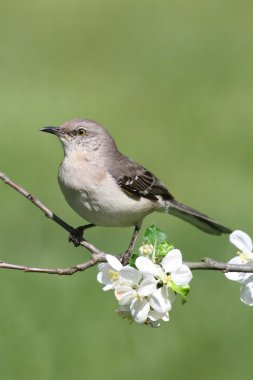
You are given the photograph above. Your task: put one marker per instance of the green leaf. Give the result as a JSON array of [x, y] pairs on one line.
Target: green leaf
[[153, 235], [182, 290]]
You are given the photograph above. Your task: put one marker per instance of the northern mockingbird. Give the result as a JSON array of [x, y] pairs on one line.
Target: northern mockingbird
[[106, 188]]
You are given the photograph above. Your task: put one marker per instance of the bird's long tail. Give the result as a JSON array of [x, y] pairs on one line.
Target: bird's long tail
[[194, 217]]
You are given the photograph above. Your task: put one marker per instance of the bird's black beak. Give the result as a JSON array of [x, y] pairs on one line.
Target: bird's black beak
[[53, 130]]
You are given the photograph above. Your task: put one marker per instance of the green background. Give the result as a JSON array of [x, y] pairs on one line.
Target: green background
[[172, 81]]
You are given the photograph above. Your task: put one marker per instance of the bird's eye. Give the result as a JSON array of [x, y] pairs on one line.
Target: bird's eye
[[81, 132]]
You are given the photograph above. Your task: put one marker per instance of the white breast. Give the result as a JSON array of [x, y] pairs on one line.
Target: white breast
[[94, 194]]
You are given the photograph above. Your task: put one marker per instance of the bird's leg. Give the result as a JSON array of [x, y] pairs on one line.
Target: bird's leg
[[126, 256], [76, 236]]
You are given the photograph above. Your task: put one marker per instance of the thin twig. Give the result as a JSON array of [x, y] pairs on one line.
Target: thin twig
[[60, 271], [210, 264], [206, 264]]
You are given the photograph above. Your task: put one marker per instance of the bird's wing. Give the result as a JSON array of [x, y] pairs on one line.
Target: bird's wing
[[144, 185], [138, 181]]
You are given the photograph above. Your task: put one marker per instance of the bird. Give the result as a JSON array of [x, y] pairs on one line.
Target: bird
[[107, 188]]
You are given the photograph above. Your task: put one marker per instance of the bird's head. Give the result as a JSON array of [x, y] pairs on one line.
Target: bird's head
[[82, 135]]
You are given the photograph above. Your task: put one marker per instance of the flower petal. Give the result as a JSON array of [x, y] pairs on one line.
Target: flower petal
[[130, 275], [140, 310], [108, 287], [145, 265], [247, 291], [236, 276], [147, 286], [161, 300], [182, 276], [124, 294], [114, 262], [166, 317], [172, 261], [126, 299], [155, 316], [101, 266], [241, 240], [103, 275]]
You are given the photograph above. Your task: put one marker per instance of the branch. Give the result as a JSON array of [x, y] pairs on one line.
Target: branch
[[60, 271], [210, 264], [98, 255], [206, 264]]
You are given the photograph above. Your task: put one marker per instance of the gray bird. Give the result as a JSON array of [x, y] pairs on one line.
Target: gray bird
[[106, 188]]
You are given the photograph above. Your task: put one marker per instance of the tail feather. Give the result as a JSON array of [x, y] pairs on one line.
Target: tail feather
[[199, 220]]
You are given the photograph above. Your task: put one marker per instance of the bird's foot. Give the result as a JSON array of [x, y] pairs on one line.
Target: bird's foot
[[76, 235]]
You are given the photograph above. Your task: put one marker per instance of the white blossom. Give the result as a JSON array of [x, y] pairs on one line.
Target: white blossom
[[171, 269], [113, 273], [109, 272], [243, 242], [135, 296], [145, 294]]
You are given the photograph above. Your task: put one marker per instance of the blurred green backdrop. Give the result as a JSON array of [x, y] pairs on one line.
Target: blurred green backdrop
[[172, 81]]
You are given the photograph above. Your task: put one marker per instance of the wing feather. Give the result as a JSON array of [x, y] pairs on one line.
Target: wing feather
[[144, 184]]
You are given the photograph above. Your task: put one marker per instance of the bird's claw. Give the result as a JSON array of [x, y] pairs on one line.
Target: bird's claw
[[76, 236]]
